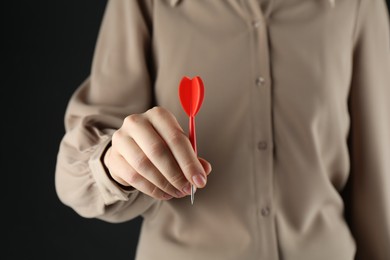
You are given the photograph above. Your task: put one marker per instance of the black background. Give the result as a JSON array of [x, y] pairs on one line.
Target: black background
[[47, 52], [49, 48]]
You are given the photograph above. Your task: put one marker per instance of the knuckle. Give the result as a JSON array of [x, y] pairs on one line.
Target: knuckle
[[177, 137], [166, 185], [178, 180], [141, 163], [158, 149], [132, 120], [116, 137], [156, 193], [191, 168], [158, 111], [132, 178]]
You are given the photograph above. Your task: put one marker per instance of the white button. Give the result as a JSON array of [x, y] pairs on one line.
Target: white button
[[265, 212], [260, 81], [256, 23]]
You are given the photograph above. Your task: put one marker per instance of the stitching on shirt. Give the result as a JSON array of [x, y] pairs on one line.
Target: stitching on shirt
[[355, 28]]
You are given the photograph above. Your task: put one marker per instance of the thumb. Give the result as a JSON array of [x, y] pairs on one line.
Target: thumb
[[206, 165]]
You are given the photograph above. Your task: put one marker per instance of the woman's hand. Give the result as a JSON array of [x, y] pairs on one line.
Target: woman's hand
[[151, 153]]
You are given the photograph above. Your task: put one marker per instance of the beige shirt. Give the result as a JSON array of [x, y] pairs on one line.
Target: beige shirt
[[295, 123]]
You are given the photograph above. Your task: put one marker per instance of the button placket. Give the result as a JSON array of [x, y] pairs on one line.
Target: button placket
[[262, 126]]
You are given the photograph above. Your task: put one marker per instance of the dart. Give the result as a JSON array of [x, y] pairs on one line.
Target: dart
[[191, 93]]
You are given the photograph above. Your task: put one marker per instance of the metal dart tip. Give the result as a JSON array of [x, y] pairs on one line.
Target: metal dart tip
[[192, 194]]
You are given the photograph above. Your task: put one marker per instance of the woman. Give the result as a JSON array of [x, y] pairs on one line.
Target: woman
[[294, 124]]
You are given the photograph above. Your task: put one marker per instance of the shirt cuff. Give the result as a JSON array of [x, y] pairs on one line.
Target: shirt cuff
[[111, 191]]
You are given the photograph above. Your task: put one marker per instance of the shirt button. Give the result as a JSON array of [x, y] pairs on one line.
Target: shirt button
[[265, 212], [256, 23], [260, 81], [262, 145]]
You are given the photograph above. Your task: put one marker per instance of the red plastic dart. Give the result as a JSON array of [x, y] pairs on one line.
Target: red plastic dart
[[191, 93]]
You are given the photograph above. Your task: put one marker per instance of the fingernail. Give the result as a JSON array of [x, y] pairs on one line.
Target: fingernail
[[199, 180], [187, 189], [167, 196]]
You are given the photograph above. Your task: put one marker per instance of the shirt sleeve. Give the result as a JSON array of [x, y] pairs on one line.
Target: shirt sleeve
[[369, 196], [119, 85]]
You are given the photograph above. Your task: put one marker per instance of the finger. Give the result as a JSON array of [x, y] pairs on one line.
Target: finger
[[140, 162], [179, 144], [111, 164], [206, 165], [124, 174], [159, 154]]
